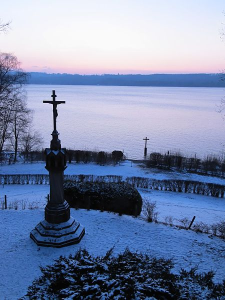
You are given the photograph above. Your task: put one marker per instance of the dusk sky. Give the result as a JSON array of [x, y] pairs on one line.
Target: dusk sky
[[115, 36]]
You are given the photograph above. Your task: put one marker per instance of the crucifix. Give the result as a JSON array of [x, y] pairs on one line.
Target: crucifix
[[58, 229], [145, 150], [54, 103]]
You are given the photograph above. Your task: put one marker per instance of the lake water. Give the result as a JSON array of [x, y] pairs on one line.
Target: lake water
[[110, 118]]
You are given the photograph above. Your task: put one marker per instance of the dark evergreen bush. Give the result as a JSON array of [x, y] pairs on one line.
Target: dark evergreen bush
[[115, 197], [117, 156], [102, 158], [127, 276], [84, 156]]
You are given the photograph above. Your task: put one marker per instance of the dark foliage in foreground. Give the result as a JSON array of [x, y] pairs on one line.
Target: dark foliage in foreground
[[127, 276], [121, 197]]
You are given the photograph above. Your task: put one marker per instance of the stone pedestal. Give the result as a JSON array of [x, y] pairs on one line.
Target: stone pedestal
[[57, 235], [58, 229]]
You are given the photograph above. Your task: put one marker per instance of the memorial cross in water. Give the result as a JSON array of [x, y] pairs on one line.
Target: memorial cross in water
[[146, 139], [145, 150]]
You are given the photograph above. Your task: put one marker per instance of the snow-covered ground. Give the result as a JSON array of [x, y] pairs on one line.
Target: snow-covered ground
[[125, 169], [20, 257]]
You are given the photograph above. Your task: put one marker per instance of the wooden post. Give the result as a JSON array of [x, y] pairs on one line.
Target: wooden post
[[192, 221], [5, 202]]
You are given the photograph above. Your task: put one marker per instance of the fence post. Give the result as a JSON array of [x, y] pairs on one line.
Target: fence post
[[192, 221], [5, 202]]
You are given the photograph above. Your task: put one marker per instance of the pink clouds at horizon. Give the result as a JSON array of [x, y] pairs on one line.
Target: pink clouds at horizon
[[126, 37]]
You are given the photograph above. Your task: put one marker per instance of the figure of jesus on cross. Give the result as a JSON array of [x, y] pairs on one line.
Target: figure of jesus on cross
[[54, 103]]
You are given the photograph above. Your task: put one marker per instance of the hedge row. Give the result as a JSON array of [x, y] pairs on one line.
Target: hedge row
[[24, 179], [182, 186], [44, 179]]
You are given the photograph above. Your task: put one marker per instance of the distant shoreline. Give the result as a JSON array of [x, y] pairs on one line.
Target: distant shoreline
[[154, 80]]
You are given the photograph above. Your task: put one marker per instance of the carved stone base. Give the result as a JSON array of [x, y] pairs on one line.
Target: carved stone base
[[57, 235], [57, 213]]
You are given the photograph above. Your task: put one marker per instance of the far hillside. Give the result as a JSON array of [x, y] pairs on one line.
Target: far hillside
[[166, 80]]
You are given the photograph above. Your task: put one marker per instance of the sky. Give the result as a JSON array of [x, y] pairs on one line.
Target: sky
[[115, 36]]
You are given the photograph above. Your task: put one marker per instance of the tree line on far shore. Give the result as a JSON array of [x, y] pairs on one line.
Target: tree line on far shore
[[165, 80]]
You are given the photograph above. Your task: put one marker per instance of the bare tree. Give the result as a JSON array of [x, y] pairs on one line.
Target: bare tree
[[19, 126], [31, 141], [15, 117], [12, 80]]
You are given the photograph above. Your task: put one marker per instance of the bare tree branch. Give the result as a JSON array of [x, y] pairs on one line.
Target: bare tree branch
[[4, 26]]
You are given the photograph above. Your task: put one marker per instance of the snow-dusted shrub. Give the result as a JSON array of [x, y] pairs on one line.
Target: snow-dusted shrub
[[2, 204], [126, 276], [201, 227], [33, 205], [214, 229], [169, 220], [16, 205], [199, 285], [219, 229], [10, 205], [185, 222], [149, 211], [115, 197], [23, 204]]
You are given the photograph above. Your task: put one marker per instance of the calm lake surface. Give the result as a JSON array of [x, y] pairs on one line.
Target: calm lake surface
[[110, 118]]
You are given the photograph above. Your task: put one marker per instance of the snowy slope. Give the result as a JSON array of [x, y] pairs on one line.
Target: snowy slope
[[125, 169], [20, 257]]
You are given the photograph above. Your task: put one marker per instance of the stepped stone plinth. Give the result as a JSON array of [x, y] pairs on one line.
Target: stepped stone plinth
[[58, 229], [58, 235]]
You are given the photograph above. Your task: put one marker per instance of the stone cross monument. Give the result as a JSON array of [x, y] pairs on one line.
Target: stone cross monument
[[58, 229], [145, 149]]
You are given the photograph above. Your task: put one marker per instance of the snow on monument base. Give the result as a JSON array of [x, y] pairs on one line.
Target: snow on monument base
[[57, 235]]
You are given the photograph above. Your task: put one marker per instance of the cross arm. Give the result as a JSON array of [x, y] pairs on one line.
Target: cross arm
[[53, 102]]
